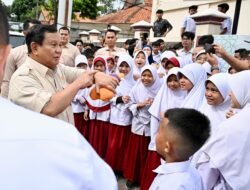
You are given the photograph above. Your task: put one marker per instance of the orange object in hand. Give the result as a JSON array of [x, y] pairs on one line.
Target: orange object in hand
[[105, 94]]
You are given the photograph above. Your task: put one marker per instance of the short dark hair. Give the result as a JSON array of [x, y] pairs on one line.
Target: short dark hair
[[156, 43], [37, 34], [64, 28], [189, 35], [192, 126], [78, 40], [160, 41], [110, 30], [89, 53], [224, 6], [159, 11], [195, 7], [243, 52], [27, 23], [205, 39], [4, 27]]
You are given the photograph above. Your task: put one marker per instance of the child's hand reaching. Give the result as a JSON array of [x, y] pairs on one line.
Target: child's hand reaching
[[230, 113]]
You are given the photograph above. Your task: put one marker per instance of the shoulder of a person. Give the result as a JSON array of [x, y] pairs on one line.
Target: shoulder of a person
[[23, 70]]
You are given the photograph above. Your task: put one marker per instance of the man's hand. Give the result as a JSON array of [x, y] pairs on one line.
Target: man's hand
[[211, 59], [219, 50], [86, 79], [105, 81]]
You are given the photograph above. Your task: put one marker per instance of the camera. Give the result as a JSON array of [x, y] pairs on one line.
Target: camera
[[209, 48]]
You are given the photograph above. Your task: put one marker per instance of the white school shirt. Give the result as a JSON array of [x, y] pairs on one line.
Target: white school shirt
[[120, 113], [177, 176], [189, 24], [101, 116], [186, 56], [139, 93], [77, 107], [39, 152], [227, 23]]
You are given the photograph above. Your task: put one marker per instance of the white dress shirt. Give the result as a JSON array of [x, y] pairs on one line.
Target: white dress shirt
[[39, 152], [176, 176], [189, 24]]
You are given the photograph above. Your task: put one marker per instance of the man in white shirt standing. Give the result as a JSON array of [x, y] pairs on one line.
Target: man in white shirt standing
[[187, 39], [39, 152], [188, 24], [226, 25]]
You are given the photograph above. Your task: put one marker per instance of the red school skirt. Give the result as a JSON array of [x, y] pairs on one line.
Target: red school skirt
[[135, 157], [81, 124], [98, 136], [152, 162], [118, 138]]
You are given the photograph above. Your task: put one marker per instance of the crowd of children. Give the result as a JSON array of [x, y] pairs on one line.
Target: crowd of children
[[141, 132]]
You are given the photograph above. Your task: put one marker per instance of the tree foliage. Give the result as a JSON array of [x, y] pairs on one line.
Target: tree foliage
[[106, 6], [26, 9]]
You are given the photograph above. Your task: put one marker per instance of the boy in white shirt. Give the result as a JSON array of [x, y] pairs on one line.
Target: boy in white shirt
[[182, 132]]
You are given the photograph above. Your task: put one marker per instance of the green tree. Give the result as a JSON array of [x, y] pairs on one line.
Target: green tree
[[106, 6], [26, 9]]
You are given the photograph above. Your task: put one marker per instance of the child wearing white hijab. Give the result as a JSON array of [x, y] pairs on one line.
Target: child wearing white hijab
[[99, 113], [192, 78], [120, 116], [217, 101], [142, 96], [79, 103], [140, 60], [169, 96], [224, 162]]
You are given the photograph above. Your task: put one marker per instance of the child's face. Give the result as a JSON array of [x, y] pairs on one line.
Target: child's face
[[147, 78], [99, 66], [185, 83], [163, 138], [124, 68], [82, 66], [234, 101], [111, 65], [213, 95], [140, 60], [163, 62], [90, 62], [201, 59], [147, 50], [156, 49], [173, 82], [168, 66]]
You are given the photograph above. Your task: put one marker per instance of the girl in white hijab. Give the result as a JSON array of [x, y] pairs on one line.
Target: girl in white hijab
[[192, 78], [224, 162], [120, 116], [140, 60], [142, 96], [169, 96], [217, 101]]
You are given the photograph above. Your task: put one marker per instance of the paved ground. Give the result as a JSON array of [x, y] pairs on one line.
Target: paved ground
[[122, 185]]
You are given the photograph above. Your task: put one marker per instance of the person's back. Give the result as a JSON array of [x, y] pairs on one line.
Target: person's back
[[39, 152], [182, 132]]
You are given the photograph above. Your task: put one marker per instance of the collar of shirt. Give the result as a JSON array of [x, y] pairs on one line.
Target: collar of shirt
[[43, 70], [114, 49], [173, 167], [183, 51]]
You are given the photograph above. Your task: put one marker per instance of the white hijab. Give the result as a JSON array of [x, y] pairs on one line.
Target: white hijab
[[165, 54], [128, 82], [136, 70], [228, 149], [81, 59], [217, 113], [141, 92], [197, 75], [167, 98]]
